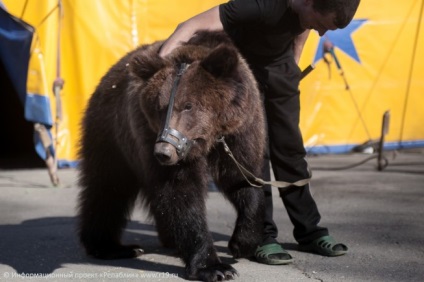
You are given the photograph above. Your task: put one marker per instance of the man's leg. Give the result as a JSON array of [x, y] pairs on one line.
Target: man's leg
[[270, 228], [270, 251], [303, 213], [287, 153], [289, 164]]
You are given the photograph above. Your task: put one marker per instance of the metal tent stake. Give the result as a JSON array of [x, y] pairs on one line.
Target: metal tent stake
[[381, 160]]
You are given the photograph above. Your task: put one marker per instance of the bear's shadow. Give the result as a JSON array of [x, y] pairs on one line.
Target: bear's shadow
[[45, 244]]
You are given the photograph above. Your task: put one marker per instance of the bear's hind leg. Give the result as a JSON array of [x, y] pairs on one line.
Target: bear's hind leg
[[247, 235], [108, 194]]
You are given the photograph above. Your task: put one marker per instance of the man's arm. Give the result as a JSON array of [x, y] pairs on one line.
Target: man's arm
[[207, 20], [299, 42]]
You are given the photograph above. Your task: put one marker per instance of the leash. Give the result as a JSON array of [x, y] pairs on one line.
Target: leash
[[259, 182]]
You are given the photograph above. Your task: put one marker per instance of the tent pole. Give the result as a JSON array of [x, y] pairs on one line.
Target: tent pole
[[57, 88], [411, 70], [48, 147]]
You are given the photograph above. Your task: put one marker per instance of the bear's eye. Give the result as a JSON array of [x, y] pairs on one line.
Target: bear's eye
[[188, 106]]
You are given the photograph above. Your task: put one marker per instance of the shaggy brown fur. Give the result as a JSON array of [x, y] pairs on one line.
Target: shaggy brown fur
[[217, 96]]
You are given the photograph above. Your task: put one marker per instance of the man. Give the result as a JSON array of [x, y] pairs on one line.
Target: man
[[271, 34]]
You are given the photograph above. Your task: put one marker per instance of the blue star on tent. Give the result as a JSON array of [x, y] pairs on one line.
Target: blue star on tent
[[341, 38]]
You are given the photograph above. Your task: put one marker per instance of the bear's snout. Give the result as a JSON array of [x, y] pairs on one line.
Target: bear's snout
[[166, 153]]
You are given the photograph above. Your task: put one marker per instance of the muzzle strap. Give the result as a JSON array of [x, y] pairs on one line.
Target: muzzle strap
[[170, 135]]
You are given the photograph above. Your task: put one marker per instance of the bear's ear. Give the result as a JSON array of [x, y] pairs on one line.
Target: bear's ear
[[145, 65], [221, 62]]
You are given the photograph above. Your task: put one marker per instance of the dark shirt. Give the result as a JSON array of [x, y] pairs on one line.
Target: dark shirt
[[263, 30]]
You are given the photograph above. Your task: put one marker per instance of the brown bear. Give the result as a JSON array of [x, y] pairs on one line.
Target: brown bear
[[151, 131]]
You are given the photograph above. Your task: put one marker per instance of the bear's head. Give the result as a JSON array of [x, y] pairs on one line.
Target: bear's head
[[213, 94]]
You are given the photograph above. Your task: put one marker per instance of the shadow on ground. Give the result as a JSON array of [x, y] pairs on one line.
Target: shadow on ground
[[46, 244]]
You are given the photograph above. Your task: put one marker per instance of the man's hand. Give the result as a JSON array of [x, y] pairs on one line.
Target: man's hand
[[208, 20]]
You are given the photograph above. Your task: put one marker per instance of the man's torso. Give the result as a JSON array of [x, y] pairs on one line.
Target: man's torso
[[263, 30]]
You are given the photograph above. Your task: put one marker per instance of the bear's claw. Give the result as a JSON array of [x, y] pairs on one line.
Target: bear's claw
[[218, 272]]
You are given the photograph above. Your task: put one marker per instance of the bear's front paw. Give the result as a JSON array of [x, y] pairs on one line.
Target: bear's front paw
[[216, 272]]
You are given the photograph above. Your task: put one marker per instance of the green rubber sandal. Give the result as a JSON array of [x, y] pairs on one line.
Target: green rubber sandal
[[272, 254], [325, 246]]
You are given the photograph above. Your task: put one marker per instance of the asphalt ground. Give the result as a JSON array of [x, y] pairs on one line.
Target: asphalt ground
[[378, 214]]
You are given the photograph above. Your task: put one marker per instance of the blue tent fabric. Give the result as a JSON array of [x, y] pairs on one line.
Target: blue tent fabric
[[37, 109], [15, 44]]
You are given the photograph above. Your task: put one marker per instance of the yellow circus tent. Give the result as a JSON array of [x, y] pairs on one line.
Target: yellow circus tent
[[372, 66], [378, 66]]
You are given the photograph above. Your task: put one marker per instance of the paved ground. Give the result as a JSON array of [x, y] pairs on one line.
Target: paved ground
[[379, 215]]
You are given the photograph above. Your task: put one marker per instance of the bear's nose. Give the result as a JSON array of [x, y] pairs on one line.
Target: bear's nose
[[165, 153], [163, 157]]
